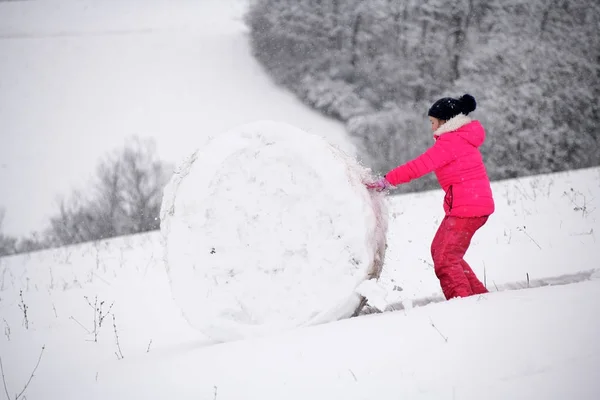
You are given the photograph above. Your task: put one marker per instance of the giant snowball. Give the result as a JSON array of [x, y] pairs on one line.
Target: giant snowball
[[267, 228]]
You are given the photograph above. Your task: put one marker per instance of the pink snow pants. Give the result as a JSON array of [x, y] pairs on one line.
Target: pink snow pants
[[448, 248]]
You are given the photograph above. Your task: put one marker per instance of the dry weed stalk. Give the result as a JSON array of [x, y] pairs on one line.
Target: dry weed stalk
[[6, 329], [118, 353], [20, 394], [99, 314], [24, 307], [523, 229], [436, 328]]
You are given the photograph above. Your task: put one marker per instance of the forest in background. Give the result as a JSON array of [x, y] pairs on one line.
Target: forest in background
[[532, 65]]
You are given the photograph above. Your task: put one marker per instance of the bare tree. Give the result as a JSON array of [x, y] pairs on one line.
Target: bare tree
[[109, 197], [125, 197], [461, 21], [72, 223], [144, 177], [354, 51], [7, 243], [34, 242]]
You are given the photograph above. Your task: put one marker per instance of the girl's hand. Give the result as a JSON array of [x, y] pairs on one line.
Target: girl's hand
[[379, 185]]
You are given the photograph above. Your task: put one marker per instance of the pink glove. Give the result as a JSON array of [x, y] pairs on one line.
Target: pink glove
[[379, 185]]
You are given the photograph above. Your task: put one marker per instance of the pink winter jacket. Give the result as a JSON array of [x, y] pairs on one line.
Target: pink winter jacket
[[458, 165]]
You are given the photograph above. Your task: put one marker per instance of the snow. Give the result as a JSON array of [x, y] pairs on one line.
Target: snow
[[79, 77], [544, 226], [267, 228], [547, 351], [534, 336], [514, 342]]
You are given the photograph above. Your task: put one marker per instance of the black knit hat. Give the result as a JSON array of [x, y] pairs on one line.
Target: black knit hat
[[448, 107]]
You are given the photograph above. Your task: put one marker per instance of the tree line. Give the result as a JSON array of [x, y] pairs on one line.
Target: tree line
[[532, 65]]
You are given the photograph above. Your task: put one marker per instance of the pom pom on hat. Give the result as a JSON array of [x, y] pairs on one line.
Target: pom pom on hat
[[448, 107], [467, 103]]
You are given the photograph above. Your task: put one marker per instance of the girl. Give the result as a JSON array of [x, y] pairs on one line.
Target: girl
[[468, 201]]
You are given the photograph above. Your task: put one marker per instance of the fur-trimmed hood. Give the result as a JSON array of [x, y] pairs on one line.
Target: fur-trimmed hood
[[470, 130], [457, 163]]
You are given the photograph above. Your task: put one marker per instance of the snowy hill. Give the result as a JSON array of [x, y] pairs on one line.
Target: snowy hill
[[79, 77], [531, 343]]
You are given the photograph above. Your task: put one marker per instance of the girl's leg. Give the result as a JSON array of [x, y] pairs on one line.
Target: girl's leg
[[448, 249], [447, 266], [476, 286]]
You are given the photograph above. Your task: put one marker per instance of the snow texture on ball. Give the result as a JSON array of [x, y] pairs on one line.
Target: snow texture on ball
[[267, 228]]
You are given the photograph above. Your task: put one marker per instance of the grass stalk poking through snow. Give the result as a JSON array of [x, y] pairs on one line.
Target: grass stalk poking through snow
[[99, 314], [573, 196], [484, 276], [6, 329], [80, 324], [118, 353], [529, 236], [436, 328], [23, 307], [19, 395]]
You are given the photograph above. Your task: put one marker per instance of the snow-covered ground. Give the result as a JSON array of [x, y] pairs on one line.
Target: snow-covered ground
[[540, 342], [78, 77], [544, 226]]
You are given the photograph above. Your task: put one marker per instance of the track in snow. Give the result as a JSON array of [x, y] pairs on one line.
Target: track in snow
[[566, 279]]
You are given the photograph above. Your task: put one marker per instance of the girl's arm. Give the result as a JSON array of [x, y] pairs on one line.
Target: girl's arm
[[435, 157]]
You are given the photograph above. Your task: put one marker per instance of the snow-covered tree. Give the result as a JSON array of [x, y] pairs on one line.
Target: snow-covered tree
[[533, 67]]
